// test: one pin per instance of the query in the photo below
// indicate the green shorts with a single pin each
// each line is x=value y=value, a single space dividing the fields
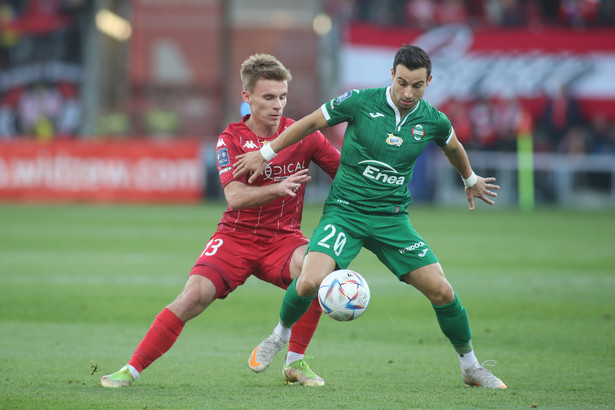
x=341 y=234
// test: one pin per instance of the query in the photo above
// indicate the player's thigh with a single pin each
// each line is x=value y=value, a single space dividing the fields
x=281 y=260
x=316 y=267
x=296 y=261
x=339 y=234
x=397 y=244
x=227 y=261
x=431 y=282
x=197 y=295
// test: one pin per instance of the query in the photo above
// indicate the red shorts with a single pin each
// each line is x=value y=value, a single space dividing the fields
x=229 y=259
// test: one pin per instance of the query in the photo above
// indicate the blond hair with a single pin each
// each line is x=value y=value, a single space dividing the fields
x=265 y=66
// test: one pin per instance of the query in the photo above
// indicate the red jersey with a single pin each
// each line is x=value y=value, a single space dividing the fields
x=283 y=214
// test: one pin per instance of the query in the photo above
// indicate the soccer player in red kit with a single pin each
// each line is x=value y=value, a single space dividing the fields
x=259 y=233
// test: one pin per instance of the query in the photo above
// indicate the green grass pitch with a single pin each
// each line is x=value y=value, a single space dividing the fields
x=80 y=285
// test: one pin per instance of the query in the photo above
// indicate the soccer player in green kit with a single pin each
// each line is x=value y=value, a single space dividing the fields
x=387 y=129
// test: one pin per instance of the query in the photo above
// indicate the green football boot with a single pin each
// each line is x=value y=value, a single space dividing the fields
x=121 y=378
x=299 y=371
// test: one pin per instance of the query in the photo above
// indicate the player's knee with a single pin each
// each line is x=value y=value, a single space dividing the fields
x=307 y=285
x=192 y=298
x=193 y=301
x=442 y=294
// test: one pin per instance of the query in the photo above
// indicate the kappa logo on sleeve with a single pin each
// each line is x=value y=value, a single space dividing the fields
x=223 y=158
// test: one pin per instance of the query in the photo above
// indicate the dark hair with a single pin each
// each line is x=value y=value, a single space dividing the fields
x=413 y=58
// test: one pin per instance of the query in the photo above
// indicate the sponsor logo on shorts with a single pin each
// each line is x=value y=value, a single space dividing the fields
x=382 y=172
x=415 y=246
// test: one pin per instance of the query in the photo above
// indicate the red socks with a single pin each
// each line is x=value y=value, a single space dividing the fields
x=304 y=329
x=159 y=338
x=166 y=328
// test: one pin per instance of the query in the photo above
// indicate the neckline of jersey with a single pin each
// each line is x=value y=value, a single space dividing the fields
x=398 y=120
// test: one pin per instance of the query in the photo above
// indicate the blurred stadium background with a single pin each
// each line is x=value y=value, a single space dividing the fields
x=122 y=101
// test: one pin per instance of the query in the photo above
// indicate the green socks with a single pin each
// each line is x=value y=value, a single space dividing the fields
x=452 y=317
x=454 y=322
x=293 y=305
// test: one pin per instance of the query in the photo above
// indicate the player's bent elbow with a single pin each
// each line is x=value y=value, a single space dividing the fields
x=235 y=205
x=234 y=198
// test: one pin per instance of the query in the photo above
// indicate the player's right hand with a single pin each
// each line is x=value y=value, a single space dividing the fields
x=250 y=161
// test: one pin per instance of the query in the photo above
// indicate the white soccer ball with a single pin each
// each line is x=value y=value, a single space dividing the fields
x=344 y=295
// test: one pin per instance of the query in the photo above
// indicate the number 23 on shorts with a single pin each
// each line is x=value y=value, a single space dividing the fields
x=212 y=247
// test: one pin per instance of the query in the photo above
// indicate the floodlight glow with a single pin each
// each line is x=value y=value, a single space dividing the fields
x=322 y=24
x=113 y=25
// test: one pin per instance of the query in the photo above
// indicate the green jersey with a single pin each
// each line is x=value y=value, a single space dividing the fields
x=380 y=149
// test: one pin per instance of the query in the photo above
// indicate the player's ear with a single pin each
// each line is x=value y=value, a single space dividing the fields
x=428 y=80
x=392 y=73
x=245 y=96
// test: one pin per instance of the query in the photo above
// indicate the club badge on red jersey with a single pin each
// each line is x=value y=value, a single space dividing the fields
x=223 y=157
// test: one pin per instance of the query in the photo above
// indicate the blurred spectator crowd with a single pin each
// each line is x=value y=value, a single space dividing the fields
x=426 y=14
x=494 y=124
x=42 y=69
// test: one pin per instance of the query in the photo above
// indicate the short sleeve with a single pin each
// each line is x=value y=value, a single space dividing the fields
x=342 y=108
x=444 y=130
x=226 y=153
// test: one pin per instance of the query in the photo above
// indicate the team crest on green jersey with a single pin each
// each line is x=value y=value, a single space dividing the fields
x=418 y=132
x=393 y=140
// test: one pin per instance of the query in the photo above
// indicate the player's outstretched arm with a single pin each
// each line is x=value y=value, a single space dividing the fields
x=476 y=186
x=242 y=196
x=256 y=161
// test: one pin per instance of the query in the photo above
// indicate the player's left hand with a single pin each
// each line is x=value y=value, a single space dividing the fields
x=291 y=185
x=250 y=161
x=481 y=190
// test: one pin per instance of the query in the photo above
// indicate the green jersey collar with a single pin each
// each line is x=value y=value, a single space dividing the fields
x=398 y=120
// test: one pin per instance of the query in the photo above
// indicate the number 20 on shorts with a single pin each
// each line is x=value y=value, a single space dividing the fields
x=340 y=239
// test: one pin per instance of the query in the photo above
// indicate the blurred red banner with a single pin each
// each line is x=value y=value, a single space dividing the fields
x=106 y=171
x=492 y=63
